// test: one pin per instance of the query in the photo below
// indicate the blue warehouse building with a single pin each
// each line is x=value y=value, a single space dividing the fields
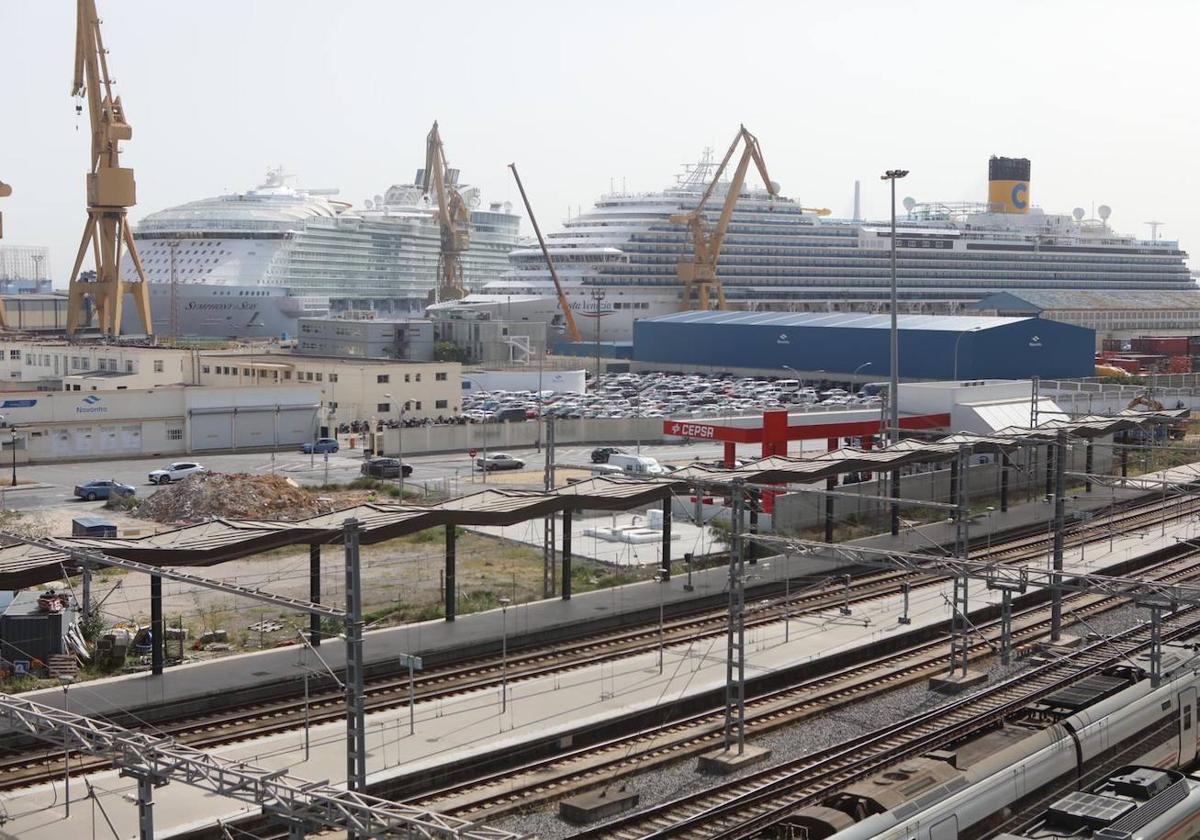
x=844 y=342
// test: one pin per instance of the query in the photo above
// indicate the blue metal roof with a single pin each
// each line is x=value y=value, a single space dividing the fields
x=834 y=320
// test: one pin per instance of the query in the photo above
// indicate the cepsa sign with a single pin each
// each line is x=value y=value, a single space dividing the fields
x=692 y=430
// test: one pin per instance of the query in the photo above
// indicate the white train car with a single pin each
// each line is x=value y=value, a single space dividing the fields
x=1063 y=750
x=1134 y=803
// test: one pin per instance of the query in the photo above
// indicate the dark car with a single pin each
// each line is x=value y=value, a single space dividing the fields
x=102 y=488
x=601 y=454
x=320 y=446
x=385 y=468
x=511 y=415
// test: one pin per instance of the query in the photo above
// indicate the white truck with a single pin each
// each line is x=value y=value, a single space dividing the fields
x=620 y=463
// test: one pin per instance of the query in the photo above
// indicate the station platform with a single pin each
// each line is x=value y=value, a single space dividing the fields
x=473 y=724
x=261 y=675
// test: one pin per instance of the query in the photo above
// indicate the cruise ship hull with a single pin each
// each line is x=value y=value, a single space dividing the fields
x=222 y=312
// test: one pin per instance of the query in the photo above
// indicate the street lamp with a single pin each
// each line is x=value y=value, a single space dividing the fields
x=483 y=431
x=400 y=446
x=856 y=370
x=956 y=341
x=893 y=175
x=66 y=681
x=504 y=602
x=661 y=577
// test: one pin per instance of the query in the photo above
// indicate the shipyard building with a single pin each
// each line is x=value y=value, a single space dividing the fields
x=858 y=345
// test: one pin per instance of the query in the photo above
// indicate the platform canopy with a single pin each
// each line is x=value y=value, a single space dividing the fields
x=220 y=540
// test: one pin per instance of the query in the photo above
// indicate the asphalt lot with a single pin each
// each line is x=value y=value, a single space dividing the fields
x=449 y=472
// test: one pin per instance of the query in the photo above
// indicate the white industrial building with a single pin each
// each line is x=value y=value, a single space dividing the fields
x=71 y=426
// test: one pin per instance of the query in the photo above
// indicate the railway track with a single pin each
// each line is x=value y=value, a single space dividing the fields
x=762 y=798
x=24 y=768
x=537 y=782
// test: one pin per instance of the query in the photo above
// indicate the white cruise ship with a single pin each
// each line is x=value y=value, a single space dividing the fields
x=618 y=260
x=247 y=265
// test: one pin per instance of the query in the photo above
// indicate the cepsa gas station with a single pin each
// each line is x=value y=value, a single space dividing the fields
x=776 y=428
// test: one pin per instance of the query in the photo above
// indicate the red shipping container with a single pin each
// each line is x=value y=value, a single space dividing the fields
x=1166 y=345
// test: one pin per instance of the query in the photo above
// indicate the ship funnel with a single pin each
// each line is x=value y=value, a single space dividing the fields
x=1008 y=185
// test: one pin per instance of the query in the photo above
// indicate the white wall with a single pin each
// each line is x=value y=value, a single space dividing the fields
x=562 y=381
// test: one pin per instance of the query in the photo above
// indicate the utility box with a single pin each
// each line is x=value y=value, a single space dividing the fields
x=92 y=526
x=111 y=187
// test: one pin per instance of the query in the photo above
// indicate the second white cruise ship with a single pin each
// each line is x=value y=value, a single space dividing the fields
x=618 y=261
x=247 y=265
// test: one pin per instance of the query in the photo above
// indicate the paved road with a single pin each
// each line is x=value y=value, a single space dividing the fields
x=449 y=472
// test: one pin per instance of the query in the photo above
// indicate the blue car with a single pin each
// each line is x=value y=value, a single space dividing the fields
x=102 y=489
x=320 y=446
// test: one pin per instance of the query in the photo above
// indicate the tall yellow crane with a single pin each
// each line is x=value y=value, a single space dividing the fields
x=453 y=219
x=568 y=316
x=699 y=274
x=110 y=190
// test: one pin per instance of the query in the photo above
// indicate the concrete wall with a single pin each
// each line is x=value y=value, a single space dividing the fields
x=798 y=510
x=501 y=436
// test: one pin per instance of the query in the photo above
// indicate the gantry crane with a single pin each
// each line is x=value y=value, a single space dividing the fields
x=563 y=304
x=453 y=219
x=110 y=191
x=699 y=274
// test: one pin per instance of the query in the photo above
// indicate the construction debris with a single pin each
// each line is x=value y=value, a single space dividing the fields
x=235 y=495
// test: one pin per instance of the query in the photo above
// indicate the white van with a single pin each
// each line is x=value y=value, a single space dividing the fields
x=634 y=464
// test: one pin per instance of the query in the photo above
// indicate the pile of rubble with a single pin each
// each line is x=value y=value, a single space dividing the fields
x=229 y=495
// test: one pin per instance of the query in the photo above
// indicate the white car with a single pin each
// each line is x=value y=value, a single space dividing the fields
x=499 y=461
x=176 y=472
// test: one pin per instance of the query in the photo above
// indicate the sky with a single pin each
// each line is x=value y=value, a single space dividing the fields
x=1099 y=95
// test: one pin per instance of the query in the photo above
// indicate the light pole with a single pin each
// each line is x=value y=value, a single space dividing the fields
x=893 y=175
x=662 y=577
x=504 y=602
x=598 y=296
x=991 y=525
x=14 y=456
x=482 y=433
x=956 y=341
x=856 y=370
x=400 y=446
x=66 y=683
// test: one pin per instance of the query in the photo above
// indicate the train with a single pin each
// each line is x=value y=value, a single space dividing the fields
x=974 y=789
x=1134 y=803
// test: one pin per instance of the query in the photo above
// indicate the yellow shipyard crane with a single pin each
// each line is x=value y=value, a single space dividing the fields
x=699 y=274
x=110 y=191
x=453 y=219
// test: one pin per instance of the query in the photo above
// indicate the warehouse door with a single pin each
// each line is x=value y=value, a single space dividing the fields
x=254 y=428
x=131 y=438
x=297 y=425
x=83 y=440
x=212 y=430
x=109 y=441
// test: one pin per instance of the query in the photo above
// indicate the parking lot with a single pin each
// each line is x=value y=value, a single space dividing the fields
x=629 y=395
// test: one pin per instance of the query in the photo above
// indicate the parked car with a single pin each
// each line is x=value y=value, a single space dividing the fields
x=102 y=488
x=499 y=461
x=176 y=472
x=320 y=446
x=385 y=468
x=601 y=454
x=511 y=415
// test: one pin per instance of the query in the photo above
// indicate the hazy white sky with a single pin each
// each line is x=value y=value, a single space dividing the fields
x=1100 y=95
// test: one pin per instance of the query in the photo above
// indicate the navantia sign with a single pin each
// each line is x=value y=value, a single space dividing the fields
x=692 y=430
